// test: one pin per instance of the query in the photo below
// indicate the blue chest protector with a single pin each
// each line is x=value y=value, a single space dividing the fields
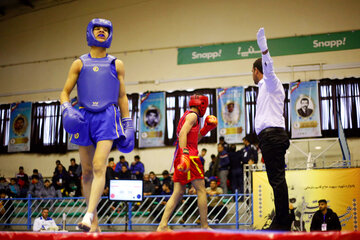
x=98 y=85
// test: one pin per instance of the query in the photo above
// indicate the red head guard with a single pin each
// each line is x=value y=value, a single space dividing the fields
x=201 y=102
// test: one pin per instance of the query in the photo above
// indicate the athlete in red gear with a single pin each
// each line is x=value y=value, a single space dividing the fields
x=188 y=167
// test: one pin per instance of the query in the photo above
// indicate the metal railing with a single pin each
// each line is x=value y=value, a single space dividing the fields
x=230 y=211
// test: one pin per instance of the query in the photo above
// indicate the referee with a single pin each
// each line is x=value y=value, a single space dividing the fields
x=270 y=128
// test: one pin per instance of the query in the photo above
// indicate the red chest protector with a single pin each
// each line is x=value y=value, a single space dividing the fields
x=192 y=137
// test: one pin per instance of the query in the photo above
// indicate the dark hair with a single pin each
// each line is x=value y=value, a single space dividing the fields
x=35 y=177
x=58 y=162
x=258 y=64
x=122 y=157
x=21 y=167
x=213 y=180
x=45 y=208
x=47 y=180
x=111 y=159
x=2 y=178
x=221 y=138
x=35 y=171
x=137 y=157
x=73 y=159
x=204 y=149
x=165 y=172
x=166 y=184
x=151 y=172
x=304 y=99
x=13 y=179
x=322 y=201
x=2 y=191
x=212 y=156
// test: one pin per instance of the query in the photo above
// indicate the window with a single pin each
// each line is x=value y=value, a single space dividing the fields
x=4 y=127
x=48 y=134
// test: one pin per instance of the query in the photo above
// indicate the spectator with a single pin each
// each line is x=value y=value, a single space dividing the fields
x=6 y=208
x=44 y=222
x=14 y=189
x=223 y=167
x=137 y=168
x=149 y=188
x=212 y=166
x=57 y=163
x=36 y=173
x=4 y=185
x=202 y=155
x=110 y=174
x=22 y=181
x=222 y=141
x=121 y=163
x=124 y=173
x=325 y=219
x=49 y=190
x=156 y=183
x=216 y=208
x=166 y=178
x=36 y=187
x=249 y=152
x=236 y=170
x=74 y=178
x=61 y=180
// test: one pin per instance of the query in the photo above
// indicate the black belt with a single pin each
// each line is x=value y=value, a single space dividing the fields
x=270 y=129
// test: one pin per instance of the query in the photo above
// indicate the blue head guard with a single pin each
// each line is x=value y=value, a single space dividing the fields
x=90 y=34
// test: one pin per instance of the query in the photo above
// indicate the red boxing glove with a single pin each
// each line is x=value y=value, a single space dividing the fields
x=184 y=164
x=210 y=123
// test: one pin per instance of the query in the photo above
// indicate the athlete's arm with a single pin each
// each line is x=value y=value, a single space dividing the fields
x=71 y=80
x=123 y=100
x=190 y=121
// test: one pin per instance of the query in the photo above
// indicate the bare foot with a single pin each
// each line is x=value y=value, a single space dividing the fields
x=207 y=228
x=163 y=229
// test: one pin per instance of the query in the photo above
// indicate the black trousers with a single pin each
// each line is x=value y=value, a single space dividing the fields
x=273 y=143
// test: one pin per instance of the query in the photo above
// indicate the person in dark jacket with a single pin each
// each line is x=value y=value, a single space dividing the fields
x=325 y=219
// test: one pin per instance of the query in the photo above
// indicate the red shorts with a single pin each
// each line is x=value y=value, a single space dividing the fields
x=196 y=171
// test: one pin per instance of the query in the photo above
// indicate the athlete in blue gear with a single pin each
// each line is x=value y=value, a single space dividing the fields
x=98 y=123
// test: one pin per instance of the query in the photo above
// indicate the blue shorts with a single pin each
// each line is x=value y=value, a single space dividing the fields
x=104 y=125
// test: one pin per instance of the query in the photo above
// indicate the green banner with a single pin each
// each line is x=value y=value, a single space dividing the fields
x=278 y=47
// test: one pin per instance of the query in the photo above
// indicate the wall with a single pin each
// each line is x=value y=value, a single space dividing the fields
x=37 y=50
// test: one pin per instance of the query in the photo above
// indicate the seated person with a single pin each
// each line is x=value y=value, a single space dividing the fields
x=325 y=219
x=13 y=188
x=149 y=187
x=6 y=208
x=36 y=173
x=166 y=190
x=124 y=173
x=49 y=190
x=216 y=208
x=61 y=180
x=44 y=222
x=36 y=187
x=156 y=183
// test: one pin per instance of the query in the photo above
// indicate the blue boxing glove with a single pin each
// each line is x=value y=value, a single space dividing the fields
x=126 y=145
x=73 y=120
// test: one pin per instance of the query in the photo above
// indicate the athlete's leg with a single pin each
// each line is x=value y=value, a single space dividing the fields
x=98 y=182
x=178 y=193
x=86 y=157
x=199 y=185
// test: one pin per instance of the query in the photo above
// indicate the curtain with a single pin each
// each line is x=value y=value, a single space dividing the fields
x=47 y=132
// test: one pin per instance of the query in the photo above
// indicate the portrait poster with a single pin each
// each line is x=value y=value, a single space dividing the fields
x=70 y=145
x=339 y=187
x=152 y=119
x=20 y=127
x=230 y=111
x=304 y=110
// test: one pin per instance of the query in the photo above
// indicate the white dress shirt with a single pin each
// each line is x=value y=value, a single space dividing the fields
x=270 y=100
x=43 y=224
